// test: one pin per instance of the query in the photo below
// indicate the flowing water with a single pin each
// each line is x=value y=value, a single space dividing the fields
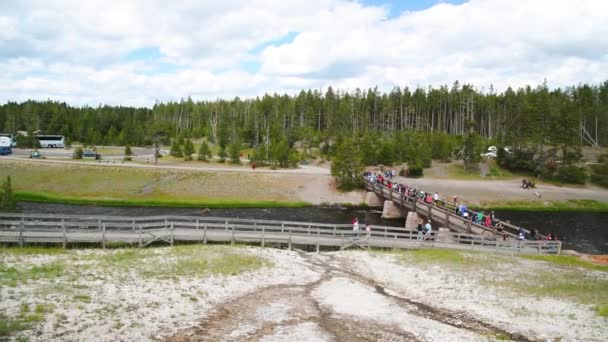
x=581 y=231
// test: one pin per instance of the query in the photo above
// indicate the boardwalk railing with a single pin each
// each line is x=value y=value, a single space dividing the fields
x=443 y=213
x=66 y=229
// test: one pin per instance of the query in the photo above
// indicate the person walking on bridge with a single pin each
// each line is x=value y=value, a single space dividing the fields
x=356 y=226
x=420 y=231
x=429 y=230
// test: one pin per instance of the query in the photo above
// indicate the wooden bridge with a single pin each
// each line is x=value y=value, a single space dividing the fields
x=143 y=231
x=443 y=214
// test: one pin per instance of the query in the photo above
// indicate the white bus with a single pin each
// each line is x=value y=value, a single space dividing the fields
x=51 y=140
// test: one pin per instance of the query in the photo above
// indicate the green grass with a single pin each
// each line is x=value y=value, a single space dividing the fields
x=570 y=284
x=126 y=186
x=13 y=276
x=10 y=326
x=542 y=205
x=602 y=310
x=449 y=258
x=457 y=171
x=26 y=318
x=31 y=250
x=568 y=261
x=181 y=261
x=42 y=197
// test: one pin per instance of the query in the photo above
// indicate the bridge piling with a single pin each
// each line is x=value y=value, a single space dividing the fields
x=103 y=236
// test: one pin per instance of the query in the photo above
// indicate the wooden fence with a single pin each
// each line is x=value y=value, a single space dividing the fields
x=69 y=229
x=444 y=213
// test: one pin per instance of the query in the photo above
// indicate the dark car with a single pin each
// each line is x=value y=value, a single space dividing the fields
x=5 y=151
x=91 y=154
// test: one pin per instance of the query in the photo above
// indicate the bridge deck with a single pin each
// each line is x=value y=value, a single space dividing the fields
x=442 y=214
x=66 y=229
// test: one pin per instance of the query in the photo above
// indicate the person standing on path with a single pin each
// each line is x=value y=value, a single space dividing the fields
x=429 y=230
x=420 y=232
x=368 y=229
x=356 y=226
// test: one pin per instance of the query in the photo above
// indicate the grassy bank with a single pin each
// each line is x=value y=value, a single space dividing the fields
x=541 y=205
x=125 y=186
x=42 y=197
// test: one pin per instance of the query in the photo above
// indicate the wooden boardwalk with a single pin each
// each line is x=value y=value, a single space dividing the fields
x=442 y=215
x=142 y=231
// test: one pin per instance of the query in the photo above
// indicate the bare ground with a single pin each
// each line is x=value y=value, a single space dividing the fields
x=333 y=296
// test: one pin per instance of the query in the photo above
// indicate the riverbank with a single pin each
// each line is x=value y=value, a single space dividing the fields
x=22 y=196
x=198 y=186
x=249 y=293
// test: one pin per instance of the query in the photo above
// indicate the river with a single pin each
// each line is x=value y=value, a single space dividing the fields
x=580 y=231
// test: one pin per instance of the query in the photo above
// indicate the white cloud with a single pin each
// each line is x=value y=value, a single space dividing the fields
x=75 y=50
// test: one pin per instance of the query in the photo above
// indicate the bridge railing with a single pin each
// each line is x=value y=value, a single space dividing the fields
x=25 y=228
x=447 y=215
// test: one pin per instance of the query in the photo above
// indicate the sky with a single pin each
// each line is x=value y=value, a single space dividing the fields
x=142 y=51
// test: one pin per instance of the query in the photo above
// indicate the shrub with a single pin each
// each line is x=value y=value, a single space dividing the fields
x=415 y=169
x=572 y=174
x=599 y=172
x=78 y=153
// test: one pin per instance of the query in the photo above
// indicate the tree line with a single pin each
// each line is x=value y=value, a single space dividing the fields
x=413 y=125
x=515 y=116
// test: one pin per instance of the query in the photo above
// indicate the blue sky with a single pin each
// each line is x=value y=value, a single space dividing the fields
x=138 y=52
x=395 y=8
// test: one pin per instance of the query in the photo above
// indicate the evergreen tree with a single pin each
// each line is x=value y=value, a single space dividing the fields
x=188 y=150
x=280 y=153
x=204 y=153
x=471 y=151
x=176 y=149
x=222 y=154
x=346 y=165
x=7 y=199
x=260 y=155
x=128 y=153
x=235 y=152
x=386 y=156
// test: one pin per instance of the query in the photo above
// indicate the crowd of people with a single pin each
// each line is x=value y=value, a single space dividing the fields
x=481 y=218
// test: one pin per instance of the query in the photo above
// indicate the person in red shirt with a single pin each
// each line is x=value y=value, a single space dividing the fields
x=488 y=221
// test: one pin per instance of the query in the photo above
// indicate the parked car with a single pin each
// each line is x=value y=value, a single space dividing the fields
x=91 y=154
x=5 y=150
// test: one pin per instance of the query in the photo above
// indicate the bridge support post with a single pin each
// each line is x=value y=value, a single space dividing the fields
x=21 y=233
x=205 y=234
x=373 y=200
x=392 y=210
x=263 y=235
x=318 y=238
x=289 y=243
x=171 y=234
x=65 y=236
x=103 y=236
x=141 y=241
x=232 y=236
